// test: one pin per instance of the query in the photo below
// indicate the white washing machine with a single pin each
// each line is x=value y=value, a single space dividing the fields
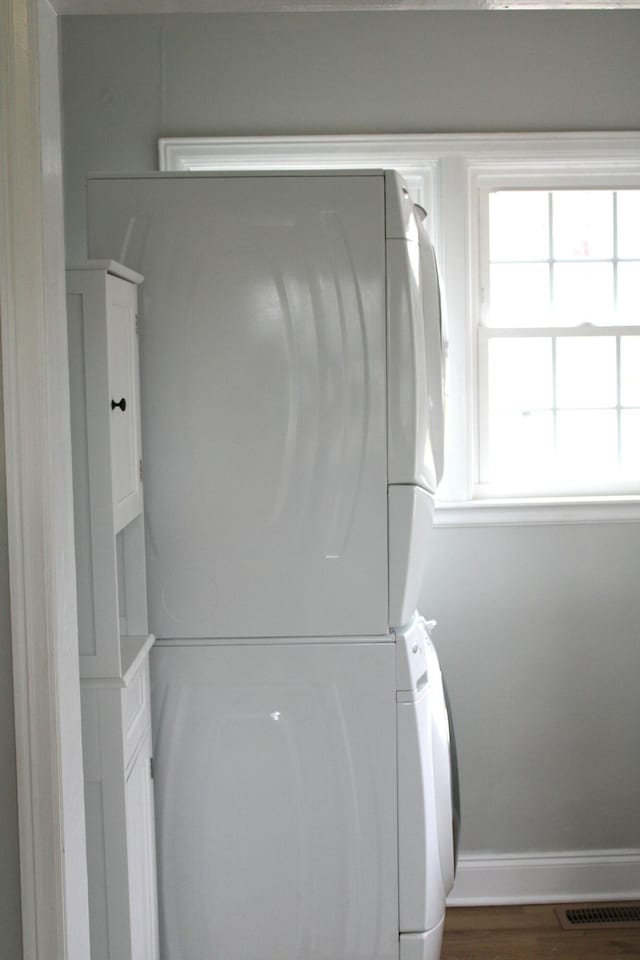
x=304 y=798
x=428 y=794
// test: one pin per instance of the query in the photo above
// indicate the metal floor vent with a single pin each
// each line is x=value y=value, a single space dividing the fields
x=622 y=915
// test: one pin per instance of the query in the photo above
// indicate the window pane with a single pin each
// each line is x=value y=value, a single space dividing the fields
x=520 y=373
x=563 y=408
x=582 y=293
x=629 y=293
x=630 y=371
x=519 y=225
x=587 y=444
x=582 y=224
x=630 y=428
x=629 y=223
x=586 y=372
x=520 y=446
x=519 y=295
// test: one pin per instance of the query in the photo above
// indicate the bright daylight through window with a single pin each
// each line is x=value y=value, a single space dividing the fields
x=559 y=343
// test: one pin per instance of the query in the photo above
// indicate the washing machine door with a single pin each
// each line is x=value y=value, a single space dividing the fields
x=445 y=767
x=455 y=780
x=425 y=788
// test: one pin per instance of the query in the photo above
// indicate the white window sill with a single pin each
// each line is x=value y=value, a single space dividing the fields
x=487 y=513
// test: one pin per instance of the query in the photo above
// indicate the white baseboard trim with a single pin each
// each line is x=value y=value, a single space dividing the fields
x=545 y=878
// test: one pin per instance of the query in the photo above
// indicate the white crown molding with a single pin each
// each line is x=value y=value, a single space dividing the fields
x=402 y=150
x=327 y=6
x=295 y=152
x=547 y=878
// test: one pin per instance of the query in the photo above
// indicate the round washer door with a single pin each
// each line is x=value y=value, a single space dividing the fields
x=445 y=780
x=425 y=788
x=421 y=875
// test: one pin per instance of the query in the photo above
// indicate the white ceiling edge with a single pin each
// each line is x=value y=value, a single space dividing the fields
x=318 y=6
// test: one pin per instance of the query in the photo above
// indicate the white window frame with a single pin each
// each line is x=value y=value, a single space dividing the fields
x=539 y=176
x=447 y=174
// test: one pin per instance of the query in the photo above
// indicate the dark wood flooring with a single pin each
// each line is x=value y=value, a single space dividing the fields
x=529 y=933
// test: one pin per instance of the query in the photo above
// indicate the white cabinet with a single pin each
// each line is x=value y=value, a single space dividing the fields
x=114 y=640
x=116 y=730
x=124 y=390
x=141 y=852
x=107 y=466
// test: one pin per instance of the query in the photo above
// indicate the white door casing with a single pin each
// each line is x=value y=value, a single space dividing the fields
x=39 y=506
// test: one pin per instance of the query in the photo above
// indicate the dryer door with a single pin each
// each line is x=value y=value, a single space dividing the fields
x=435 y=342
x=414 y=354
x=410 y=528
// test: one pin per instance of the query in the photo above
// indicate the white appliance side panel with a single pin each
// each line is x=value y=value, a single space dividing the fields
x=276 y=801
x=441 y=749
x=422 y=946
x=410 y=527
x=422 y=896
x=401 y=221
x=425 y=827
x=263 y=395
x=436 y=345
x=411 y=456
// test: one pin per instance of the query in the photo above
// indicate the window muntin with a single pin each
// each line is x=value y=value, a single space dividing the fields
x=559 y=343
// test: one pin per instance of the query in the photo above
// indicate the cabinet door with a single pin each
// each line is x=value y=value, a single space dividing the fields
x=141 y=856
x=124 y=403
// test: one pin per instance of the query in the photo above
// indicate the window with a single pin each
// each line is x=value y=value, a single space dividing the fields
x=559 y=342
x=537 y=239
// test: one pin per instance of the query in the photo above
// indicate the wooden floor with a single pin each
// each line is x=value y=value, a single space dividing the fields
x=529 y=933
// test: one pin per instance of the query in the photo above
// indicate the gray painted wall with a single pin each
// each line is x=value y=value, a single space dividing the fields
x=539 y=626
x=10 y=923
x=538 y=634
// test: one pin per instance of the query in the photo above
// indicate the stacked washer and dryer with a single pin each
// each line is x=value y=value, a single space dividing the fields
x=292 y=404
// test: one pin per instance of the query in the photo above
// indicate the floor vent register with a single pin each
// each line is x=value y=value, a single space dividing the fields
x=622 y=915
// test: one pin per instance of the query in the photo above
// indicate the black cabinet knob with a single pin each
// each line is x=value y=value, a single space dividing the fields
x=121 y=403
